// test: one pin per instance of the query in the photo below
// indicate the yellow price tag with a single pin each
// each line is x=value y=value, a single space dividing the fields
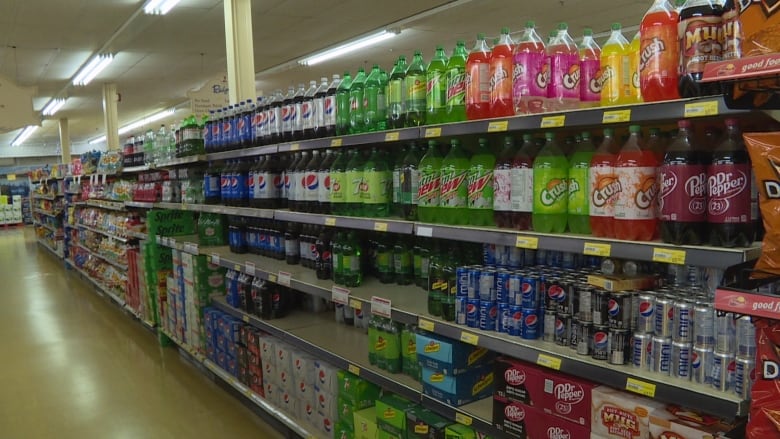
x=355 y=303
x=549 y=361
x=498 y=126
x=245 y=318
x=272 y=278
x=701 y=109
x=669 y=256
x=329 y=221
x=336 y=142
x=424 y=324
x=467 y=337
x=553 y=121
x=237 y=267
x=295 y=147
x=391 y=137
x=380 y=227
x=460 y=418
x=640 y=387
x=597 y=249
x=353 y=369
x=432 y=132
x=616 y=116
x=530 y=242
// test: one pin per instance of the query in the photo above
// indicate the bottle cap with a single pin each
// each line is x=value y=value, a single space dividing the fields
x=731 y=122
x=527 y=137
x=549 y=135
x=530 y=24
x=633 y=129
x=609 y=132
x=684 y=123
x=616 y=26
x=655 y=131
x=588 y=32
x=455 y=142
x=563 y=26
x=504 y=31
x=480 y=36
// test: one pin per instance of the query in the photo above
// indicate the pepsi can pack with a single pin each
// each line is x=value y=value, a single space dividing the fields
x=600 y=305
x=600 y=343
x=503 y=319
x=562 y=329
x=582 y=332
x=682 y=322
x=641 y=350
x=618 y=346
x=661 y=355
x=515 y=321
x=619 y=311
x=645 y=313
x=502 y=285
x=530 y=325
x=548 y=325
x=531 y=290
x=681 y=360
x=474 y=275
x=488 y=313
x=701 y=364
x=462 y=281
x=472 y=313
x=664 y=313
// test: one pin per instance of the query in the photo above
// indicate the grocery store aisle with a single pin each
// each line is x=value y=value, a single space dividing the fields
x=74 y=366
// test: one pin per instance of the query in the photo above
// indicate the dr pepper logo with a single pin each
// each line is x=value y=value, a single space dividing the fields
x=514 y=413
x=514 y=377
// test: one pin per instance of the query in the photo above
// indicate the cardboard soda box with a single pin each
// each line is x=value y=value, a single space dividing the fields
x=326 y=377
x=456 y=390
x=460 y=431
x=391 y=415
x=518 y=381
x=343 y=430
x=511 y=417
x=365 y=423
x=360 y=392
x=449 y=356
x=617 y=414
x=424 y=424
x=567 y=397
x=325 y=402
x=547 y=426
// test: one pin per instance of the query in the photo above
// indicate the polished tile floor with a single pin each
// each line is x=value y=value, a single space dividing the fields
x=75 y=366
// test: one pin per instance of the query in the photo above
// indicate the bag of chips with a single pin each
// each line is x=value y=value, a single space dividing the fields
x=764 y=420
x=764 y=150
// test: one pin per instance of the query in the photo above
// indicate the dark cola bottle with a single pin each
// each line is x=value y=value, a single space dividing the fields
x=701 y=33
x=324 y=255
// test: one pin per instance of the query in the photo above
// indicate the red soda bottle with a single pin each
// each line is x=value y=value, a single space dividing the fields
x=522 y=195
x=501 y=77
x=659 y=57
x=604 y=187
x=635 y=168
x=478 y=80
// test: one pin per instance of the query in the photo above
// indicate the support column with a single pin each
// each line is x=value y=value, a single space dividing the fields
x=65 y=140
x=110 y=99
x=240 y=50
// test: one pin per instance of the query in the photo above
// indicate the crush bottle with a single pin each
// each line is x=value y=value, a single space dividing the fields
x=563 y=91
x=501 y=66
x=502 y=185
x=603 y=187
x=551 y=173
x=478 y=80
x=530 y=72
x=578 y=205
x=659 y=59
x=590 y=70
x=615 y=63
x=635 y=168
x=522 y=195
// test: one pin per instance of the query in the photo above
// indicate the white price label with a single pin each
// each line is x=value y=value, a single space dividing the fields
x=381 y=307
x=426 y=232
x=215 y=259
x=249 y=268
x=339 y=295
x=284 y=278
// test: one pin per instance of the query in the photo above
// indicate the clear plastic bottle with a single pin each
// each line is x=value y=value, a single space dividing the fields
x=531 y=74
x=615 y=63
x=590 y=71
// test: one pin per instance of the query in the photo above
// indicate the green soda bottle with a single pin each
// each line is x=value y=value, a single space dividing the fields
x=415 y=81
x=384 y=260
x=437 y=283
x=450 y=290
x=579 y=171
x=342 y=105
x=421 y=260
x=408 y=350
x=551 y=196
x=398 y=170
x=453 y=201
x=456 y=84
x=396 y=95
x=393 y=348
x=373 y=334
x=436 y=91
x=337 y=257
x=429 y=190
x=380 y=347
x=377 y=183
x=480 y=186
x=410 y=183
x=338 y=183
x=402 y=261
x=354 y=174
x=357 y=109
x=376 y=105
x=353 y=275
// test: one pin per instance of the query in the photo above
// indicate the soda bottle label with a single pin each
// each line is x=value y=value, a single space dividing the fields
x=298 y=116
x=530 y=76
x=502 y=190
x=373 y=190
x=732 y=34
x=657 y=54
x=338 y=187
x=275 y=185
x=480 y=188
x=383 y=263
x=396 y=186
x=311 y=186
x=395 y=96
x=402 y=262
x=564 y=76
x=478 y=83
x=454 y=188
x=500 y=79
x=323 y=191
x=415 y=93
x=522 y=195
x=436 y=90
x=429 y=190
x=604 y=190
x=728 y=190
x=590 y=80
x=287 y=118
x=636 y=200
x=550 y=189
x=307 y=115
x=456 y=88
x=683 y=193
x=410 y=186
x=578 y=191
x=700 y=42
x=329 y=110
x=354 y=184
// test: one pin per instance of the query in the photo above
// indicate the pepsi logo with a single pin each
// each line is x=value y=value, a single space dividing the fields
x=326 y=182
x=234 y=182
x=560 y=327
x=326 y=424
x=518 y=315
x=531 y=321
x=695 y=360
x=306 y=110
x=278 y=181
x=600 y=339
x=322 y=376
x=527 y=288
x=286 y=398
x=302 y=386
x=493 y=312
x=287 y=181
x=646 y=309
x=649 y=349
x=732 y=366
x=251 y=180
x=322 y=400
x=309 y=409
x=557 y=293
x=514 y=413
x=276 y=297
x=613 y=307
x=286 y=113
x=471 y=309
x=670 y=314
x=310 y=181
x=514 y=377
x=261 y=181
x=241 y=124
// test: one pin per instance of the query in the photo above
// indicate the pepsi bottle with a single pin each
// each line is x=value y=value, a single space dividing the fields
x=323 y=264
x=288 y=115
x=212 y=184
x=308 y=111
x=323 y=192
x=297 y=116
x=258 y=122
x=319 y=109
x=330 y=107
x=274 y=115
x=246 y=132
x=310 y=184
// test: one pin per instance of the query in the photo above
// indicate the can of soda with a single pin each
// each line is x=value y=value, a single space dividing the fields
x=472 y=313
x=661 y=358
x=681 y=360
x=541 y=257
x=502 y=319
x=474 y=275
x=583 y=306
x=641 y=350
x=600 y=342
x=701 y=364
x=664 y=311
x=676 y=275
x=600 y=305
x=515 y=289
x=619 y=346
x=682 y=320
x=744 y=376
x=515 y=257
x=725 y=333
x=704 y=325
x=569 y=260
x=502 y=286
x=487 y=285
x=693 y=275
x=529 y=257
x=583 y=334
x=723 y=367
x=516 y=321
x=531 y=290
x=566 y=301
x=645 y=316
x=619 y=310
x=555 y=294
x=530 y=324
x=460 y=310
x=746 y=337
x=462 y=281
x=549 y=325
x=562 y=329
x=489 y=254
x=488 y=313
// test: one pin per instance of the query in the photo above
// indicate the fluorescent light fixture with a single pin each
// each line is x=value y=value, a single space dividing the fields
x=348 y=47
x=26 y=132
x=159 y=7
x=92 y=69
x=138 y=124
x=53 y=106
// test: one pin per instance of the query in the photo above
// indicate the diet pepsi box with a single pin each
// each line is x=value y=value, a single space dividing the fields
x=600 y=305
x=556 y=294
x=600 y=343
x=531 y=290
x=530 y=324
x=472 y=313
x=582 y=303
x=488 y=313
x=503 y=320
x=619 y=311
x=515 y=321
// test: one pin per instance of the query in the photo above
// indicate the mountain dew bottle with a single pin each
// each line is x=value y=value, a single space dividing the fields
x=453 y=200
x=480 y=181
x=551 y=195
x=579 y=171
x=429 y=189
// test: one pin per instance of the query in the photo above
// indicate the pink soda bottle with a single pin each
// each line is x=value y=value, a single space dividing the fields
x=531 y=73
x=563 y=92
x=590 y=71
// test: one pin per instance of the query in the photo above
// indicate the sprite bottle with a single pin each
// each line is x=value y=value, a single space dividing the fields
x=480 y=186
x=396 y=95
x=355 y=181
x=429 y=190
x=338 y=183
x=357 y=110
x=453 y=201
x=436 y=91
x=342 y=105
x=456 y=84
x=415 y=81
x=551 y=196
x=375 y=188
x=579 y=171
x=376 y=106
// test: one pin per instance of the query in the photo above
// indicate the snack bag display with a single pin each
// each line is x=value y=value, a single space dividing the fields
x=764 y=150
x=764 y=418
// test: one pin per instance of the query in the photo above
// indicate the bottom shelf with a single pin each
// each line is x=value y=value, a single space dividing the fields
x=103 y=289
x=47 y=246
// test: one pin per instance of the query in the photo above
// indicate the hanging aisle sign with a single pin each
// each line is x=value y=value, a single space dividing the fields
x=212 y=96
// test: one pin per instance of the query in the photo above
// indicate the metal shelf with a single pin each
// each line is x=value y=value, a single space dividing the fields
x=377 y=224
x=139 y=204
x=180 y=161
x=45 y=226
x=106 y=204
x=47 y=212
x=102 y=257
x=242 y=153
x=218 y=208
x=50 y=248
x=137 y=235
x=102 y=232
x=46 y=197
x=102 y=288
x=346 y=348
x=353 y=140
x=133 y=169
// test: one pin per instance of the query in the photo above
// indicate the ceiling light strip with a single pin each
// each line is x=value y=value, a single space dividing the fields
x=138 y=124
x=347 y=48
x=92 y=69
x=24 y=135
